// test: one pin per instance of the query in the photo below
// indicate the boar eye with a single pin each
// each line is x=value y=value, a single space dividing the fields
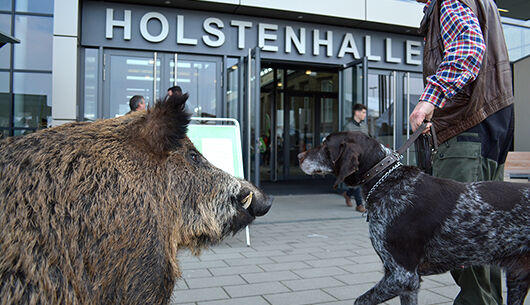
x=194 y=156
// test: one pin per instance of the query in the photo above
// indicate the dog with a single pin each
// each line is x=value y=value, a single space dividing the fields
x=423 y=225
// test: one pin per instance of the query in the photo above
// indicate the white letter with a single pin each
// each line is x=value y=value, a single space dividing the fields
x=143 y=27
x=125 y=24
x=409 y=45
x=348 y=46
x=241 y=25
x=299 y=42
x=206 y=25
x=180 y=32
x=262 y=36
x=388 y=53
x=317 y=42
x=368 y=49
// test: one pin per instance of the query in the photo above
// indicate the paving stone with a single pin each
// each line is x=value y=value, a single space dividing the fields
x=332 y=254
x=328 y=262
x=195 y=273
x=361 y=268
x=203 y=265
x=235 y=270
x=269 y=276
x=255 y=289
x=314 y=283
x=221 y=256
x=348 y=292
x=196 y=295
x=360 y=278
x=319 y=272
x=248 y=261
x=215 y=281
x=299 y=298
x=366 y=259
x=263 y=253
x=238 y=301
x=292 y=258
x=284 y=266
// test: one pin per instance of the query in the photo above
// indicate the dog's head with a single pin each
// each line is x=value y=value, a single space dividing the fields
x=342 y=154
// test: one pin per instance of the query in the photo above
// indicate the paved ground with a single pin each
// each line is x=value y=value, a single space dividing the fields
x=309 y=249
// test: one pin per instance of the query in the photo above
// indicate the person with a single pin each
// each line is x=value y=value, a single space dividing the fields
x=469 y=100
x=174 y=90
x=356 y=124
x=137 y=103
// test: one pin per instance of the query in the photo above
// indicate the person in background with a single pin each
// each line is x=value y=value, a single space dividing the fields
x=468 y=97
x=137 y=103
x=174 y=90
x=356 y=124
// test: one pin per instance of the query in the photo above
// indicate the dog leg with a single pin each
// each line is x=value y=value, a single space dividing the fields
x=409 y=298
x=517 y=279
x=394 y=283
x=517 y=290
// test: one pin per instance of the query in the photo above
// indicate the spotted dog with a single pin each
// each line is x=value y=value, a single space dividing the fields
x=422 y=225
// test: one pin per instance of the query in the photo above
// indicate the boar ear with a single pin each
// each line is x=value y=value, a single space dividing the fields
x=347 y=161
x=166 y=124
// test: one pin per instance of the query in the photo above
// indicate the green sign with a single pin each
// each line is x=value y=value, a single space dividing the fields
x=220 y=145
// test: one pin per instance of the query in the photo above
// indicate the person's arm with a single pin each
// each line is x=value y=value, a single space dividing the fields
x=464 y=49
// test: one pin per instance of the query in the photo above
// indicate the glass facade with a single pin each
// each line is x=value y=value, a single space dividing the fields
x=25 y=68
x=517 y=35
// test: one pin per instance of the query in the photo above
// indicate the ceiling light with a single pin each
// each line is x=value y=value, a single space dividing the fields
x=308 y=72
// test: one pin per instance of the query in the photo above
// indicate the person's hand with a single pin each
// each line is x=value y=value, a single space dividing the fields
x=422 y=111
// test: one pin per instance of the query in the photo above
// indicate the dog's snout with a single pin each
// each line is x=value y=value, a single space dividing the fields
x=301 y=156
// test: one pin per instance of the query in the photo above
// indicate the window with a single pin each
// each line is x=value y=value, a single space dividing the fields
x=34 y=6
x=91 y=85
x=32 y=101
x=5 y=51
x=35 y=48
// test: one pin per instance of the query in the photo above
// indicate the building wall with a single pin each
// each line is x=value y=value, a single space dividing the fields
x=522 y=103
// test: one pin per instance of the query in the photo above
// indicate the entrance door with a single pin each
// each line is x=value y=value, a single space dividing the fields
x=253 y=141
x=353 y=88
x=127 y=74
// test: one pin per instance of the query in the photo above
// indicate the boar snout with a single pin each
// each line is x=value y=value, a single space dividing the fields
x=253 y=199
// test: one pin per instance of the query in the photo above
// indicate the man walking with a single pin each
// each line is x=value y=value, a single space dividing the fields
x=468 y=95
x=356 y=124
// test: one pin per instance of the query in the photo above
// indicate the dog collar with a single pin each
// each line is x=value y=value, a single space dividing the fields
x=383 y=178
x=381 y=166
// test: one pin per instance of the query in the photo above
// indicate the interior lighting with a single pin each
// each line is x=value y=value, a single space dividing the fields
x=308 y=72
x=280 y=84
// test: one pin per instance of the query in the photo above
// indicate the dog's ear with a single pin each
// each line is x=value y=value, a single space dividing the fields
x=166 y=124
x=345 y=161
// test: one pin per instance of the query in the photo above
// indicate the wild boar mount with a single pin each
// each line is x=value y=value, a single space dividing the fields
x=95 y=213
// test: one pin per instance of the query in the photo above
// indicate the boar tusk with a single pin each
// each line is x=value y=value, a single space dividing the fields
x=247 y=201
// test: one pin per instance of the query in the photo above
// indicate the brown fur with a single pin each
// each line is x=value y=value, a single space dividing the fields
x=95 y=213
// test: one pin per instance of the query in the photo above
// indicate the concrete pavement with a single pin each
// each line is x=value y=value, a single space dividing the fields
x=309 y=249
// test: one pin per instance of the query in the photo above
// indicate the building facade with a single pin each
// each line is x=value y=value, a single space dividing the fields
x=289 y=71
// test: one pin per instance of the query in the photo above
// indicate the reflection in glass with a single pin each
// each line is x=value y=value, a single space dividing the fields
x=5 y=51
x=380 y=118
x=32 y=101
x=35 y=48
x=301 y=130
x=199 y=79
x=34 y=6
x=91 y=84
x=5 y=5
x=232 y=88
x=352 y=90
x=415 y=86
x=5 y=104
x=130 y=76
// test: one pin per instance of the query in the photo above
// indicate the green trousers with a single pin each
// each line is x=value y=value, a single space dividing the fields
x=460 y=159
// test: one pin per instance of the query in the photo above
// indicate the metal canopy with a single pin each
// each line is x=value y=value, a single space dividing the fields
x=4 y=38
x=518 y=9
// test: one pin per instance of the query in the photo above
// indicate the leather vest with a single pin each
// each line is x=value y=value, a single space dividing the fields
x=490 y=92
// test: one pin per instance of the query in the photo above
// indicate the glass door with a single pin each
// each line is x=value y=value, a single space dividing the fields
x=127 y=74
x=354 y=87
x=381 y=114
x=412 y=90
x=200 y=76
x=252 y=116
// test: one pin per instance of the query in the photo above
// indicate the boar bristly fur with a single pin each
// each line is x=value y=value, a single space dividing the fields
x=95 y=213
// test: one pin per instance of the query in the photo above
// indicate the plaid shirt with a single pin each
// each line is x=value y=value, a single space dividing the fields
x=464 y=49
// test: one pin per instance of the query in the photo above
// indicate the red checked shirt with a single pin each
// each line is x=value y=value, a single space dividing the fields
x=464 y=49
